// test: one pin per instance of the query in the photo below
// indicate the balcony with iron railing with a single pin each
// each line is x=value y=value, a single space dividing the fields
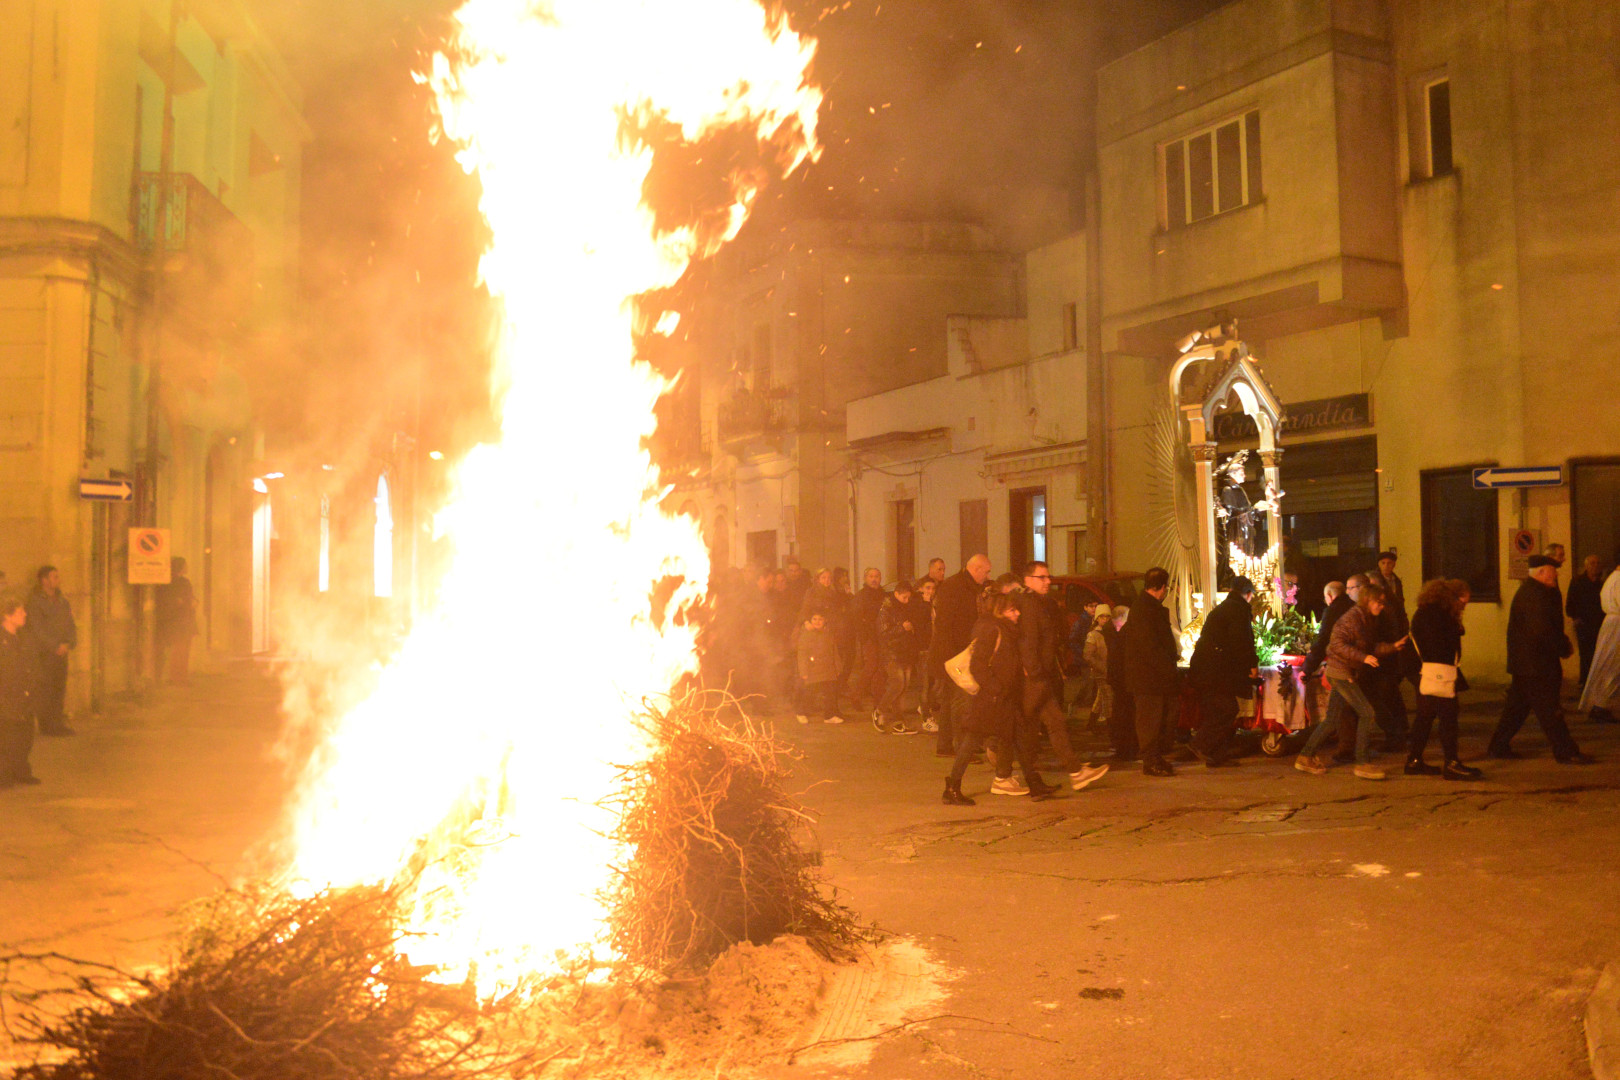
x=207 y=259
x=749 y=416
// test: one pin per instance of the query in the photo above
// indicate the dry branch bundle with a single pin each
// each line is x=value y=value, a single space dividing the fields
x=265 y=987
x=719 y=853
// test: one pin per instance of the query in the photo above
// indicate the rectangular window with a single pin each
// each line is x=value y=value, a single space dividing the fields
x=973 y=520
x=905 y=539
x=1026 y=522
x=762 y=549
x=1212 y=171
x=1595 y=510
x=1071 y=327
x=1460 y=534
x=1175 y=185
x=1438 y=108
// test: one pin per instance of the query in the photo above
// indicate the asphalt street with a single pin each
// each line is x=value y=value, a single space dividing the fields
x=1251 y=922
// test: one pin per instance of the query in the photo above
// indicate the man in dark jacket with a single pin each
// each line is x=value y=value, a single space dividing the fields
x=956 y=609
x=1585 y=609
x=1339 y=601
x=1122 y=716
x=1383 y=686
x=54 y=634
x=1223 y=669
x=1535 y=646
x=897 y=634
x=869 y=672
x=1040 y=637
x=17 y=682
x=1150 y=673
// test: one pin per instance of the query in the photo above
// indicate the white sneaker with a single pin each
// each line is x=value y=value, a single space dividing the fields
x=1009 y=785
x=877 y=722
x=1086 y=774
x=900 y=727
x=930 y=725
x=833 y=720
x=803 y=719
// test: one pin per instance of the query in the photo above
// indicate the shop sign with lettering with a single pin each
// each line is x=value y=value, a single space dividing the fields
x=1302 y=418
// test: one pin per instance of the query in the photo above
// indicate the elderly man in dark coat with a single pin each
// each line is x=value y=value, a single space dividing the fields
x=54 y=634
x=1536 y=645
x=17 y=683
x=1223 y=670
x=1150 y=673
x=956 y=609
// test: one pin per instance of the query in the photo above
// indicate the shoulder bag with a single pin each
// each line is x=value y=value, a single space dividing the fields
x=1435 y=680
x=959 y=667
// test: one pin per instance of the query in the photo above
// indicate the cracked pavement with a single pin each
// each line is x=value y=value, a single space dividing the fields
x=1253 y=922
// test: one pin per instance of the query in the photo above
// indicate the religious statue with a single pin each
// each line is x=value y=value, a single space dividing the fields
x=1243 y=521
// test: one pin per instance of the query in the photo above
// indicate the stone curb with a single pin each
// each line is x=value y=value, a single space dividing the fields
x=1603 y=1025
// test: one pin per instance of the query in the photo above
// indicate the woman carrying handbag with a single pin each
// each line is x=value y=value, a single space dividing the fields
x=1437 y=632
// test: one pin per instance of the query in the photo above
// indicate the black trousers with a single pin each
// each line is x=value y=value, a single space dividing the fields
x=1539 y=696
x=1122 y=724
x=1430 y=710
x=1586 y=635
x=894 y=691
x=16 y=743
x=1213 y=739
x=818 y=698
x=48 y=702
x=1156 y=724
x=1389 y=706
x=952 y=715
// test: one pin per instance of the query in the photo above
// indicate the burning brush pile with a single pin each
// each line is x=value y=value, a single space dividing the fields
x=720 y=930
x=501 y=866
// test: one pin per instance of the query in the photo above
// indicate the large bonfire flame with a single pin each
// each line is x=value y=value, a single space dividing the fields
x=492 y=739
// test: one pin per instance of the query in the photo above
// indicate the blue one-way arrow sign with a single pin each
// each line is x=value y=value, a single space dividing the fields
x=106 y=490
x=1519 y=476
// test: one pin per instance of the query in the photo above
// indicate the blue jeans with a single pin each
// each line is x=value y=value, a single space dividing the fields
x=1345 y=694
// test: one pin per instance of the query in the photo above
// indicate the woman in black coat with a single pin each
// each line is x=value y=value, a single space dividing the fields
x=992 y=714
x=1437 y=632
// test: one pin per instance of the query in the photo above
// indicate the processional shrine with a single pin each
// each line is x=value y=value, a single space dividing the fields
x=1241 y=378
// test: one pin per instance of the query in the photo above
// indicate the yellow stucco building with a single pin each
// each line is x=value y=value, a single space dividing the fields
x=1410 y=210
x=105 y=106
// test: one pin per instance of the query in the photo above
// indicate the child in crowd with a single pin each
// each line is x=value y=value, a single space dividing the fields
x=819 y=669
x=1095 y=657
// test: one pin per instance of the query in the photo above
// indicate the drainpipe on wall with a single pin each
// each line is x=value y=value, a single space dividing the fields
x=1097 y=558
x=854 y=469
x=145 y=643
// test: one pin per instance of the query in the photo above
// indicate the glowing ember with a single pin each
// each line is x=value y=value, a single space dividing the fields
x=490 y=741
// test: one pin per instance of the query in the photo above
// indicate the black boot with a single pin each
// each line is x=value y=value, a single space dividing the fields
x=1456 y=770
x=1418 y=767
x=1040 y=790
x=953 y=795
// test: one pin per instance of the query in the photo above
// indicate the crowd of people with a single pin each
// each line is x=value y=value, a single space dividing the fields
x=987 y=666
x=37 y=637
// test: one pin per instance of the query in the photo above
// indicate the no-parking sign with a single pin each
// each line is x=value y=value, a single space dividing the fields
x=1522 y=543
x=149 y=556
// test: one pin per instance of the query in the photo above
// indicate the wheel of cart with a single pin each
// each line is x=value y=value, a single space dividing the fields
x=1279 y=706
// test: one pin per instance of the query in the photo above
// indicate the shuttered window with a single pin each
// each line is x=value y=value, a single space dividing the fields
x=1211 y=171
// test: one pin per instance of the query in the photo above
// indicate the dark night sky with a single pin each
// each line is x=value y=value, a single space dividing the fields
x=934 y=108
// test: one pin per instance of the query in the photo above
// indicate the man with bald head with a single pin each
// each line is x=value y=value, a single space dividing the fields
x=956 y=607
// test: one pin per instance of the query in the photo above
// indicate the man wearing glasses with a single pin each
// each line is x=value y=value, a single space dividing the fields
x=1040 y=638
